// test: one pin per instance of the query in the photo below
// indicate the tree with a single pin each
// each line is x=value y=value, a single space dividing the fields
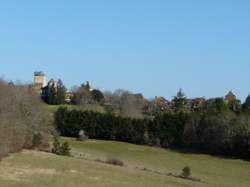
x=234 y=105
x=98 y=96
x=83 y=96
x=23 y=120
x=65 y=149
x=179 y=100
x=60 y=92
x=125 y=103
x=86 y=86
x=220 y=104
x=52 y=94
x=246 y=105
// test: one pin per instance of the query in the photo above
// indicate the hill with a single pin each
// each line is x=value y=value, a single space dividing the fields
x=144 y=166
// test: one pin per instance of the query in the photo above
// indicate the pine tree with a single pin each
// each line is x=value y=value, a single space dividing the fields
x=52 y=95
x=179 y=100
x=60 y=92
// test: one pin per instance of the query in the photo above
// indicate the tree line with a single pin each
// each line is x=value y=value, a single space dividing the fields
x=215 y=132
x=127 y=104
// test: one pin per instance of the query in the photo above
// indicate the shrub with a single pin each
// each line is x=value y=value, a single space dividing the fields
x=186 y=172
x=65 y=149
x=114 y=161
x=56 y=146
x=60 y=149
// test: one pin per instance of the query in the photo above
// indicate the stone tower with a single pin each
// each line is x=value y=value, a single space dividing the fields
x=40 y=79
x=39 y=82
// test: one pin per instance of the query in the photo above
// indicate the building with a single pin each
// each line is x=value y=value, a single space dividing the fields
x=43 y=88
x=40 y=81
x=230 y=96
x=46 y=89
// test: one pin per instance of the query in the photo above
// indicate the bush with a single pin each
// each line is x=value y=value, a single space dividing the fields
x=186 y=172
x=65 y=149
x=114 y=161
x=56 y=146
x=60 y=149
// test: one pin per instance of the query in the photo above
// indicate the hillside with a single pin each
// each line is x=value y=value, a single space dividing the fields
x=32 y=168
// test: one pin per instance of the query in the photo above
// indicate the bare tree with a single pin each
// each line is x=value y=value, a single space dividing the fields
x=22 y=116
x=125 y=103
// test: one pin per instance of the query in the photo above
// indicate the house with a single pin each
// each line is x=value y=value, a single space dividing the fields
x=230 y=96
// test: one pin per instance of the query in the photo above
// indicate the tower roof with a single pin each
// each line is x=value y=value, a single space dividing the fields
x=230 y=96
x=39 y=73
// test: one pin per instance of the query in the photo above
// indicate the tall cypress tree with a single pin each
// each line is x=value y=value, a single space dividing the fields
x=52 y=95
x=60 y=92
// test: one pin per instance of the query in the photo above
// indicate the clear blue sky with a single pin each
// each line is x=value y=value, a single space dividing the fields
x=148 y=46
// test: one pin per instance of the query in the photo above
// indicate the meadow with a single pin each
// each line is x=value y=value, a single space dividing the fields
x=34 y=168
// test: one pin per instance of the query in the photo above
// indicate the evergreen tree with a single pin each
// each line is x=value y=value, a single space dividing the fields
x=52 y=94
x=86 y=86
x=60 y=92
x=246 y=105
x=179 y=100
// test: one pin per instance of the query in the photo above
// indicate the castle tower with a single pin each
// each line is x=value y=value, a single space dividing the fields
x=40 y=79
x=39 y=82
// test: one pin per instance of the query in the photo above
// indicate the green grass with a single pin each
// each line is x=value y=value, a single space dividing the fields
x=53 y=108
x=213 y=170
x=36 y=169
x=31 y=168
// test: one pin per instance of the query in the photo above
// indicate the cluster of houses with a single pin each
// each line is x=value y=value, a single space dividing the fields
x=190 y=104
x=41 y=85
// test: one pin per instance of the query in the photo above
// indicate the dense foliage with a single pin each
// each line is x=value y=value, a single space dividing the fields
x=54 y=93
x=226 y=132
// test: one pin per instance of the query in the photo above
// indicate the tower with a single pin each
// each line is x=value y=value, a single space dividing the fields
x=40 y=79
x=39 y=82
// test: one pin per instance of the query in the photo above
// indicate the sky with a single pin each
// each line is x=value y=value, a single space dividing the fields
x=153 y=47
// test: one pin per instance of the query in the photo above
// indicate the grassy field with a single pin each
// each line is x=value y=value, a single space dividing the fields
x=31 y=168
x=53 y=108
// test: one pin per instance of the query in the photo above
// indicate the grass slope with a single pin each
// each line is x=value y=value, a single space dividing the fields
x=214 y=171
x=31 y=168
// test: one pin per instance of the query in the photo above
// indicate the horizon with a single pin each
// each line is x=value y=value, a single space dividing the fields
x=103 y=90
x=144 y=47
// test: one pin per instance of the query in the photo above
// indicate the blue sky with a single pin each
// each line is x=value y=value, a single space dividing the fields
x=148 y=46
